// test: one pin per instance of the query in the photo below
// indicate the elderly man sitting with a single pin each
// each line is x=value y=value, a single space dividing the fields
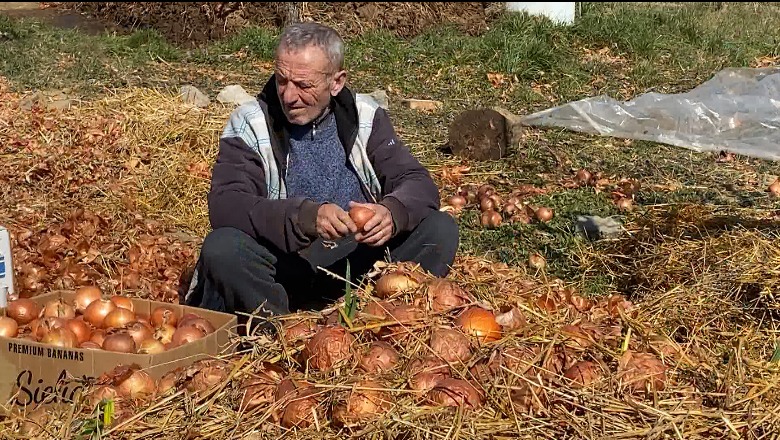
x=290 y=166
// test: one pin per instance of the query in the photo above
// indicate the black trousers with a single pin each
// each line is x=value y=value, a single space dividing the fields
x=235 y=273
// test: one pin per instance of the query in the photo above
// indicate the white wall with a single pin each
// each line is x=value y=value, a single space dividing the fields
x=560 y=12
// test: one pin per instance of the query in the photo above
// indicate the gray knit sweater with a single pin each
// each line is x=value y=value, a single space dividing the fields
x=318 y=168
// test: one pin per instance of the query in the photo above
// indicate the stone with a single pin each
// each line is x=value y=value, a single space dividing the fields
x=380 y=96
x=191 y=95
x=234 y=94
x=595 y=227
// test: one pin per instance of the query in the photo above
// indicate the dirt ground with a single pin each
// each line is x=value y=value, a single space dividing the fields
x=194 y=23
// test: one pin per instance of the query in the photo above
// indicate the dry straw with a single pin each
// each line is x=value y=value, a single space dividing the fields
x=702 y=283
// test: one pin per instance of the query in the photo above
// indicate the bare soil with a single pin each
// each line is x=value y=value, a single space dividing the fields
x=195 y=23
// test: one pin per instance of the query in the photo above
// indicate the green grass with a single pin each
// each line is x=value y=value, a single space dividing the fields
x=645 y=46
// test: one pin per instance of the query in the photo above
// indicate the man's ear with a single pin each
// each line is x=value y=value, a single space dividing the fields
x=338 y=82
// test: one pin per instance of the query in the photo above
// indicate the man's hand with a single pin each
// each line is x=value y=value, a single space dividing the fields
x=378 y=229
x=333 y=222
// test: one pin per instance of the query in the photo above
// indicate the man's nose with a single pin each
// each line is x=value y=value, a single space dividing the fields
x=290 y=95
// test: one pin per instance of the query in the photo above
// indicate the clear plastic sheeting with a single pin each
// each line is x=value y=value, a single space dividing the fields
x=738 y=110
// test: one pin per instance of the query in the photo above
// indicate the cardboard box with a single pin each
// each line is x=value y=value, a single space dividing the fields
x=33 y=374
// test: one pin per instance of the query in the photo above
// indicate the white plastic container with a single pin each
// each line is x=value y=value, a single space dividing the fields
x=559 y=12
x=6 y=268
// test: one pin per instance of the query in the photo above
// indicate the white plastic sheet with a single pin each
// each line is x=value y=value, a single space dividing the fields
x=738 y=110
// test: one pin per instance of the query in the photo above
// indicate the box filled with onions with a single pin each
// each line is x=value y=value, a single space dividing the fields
x=50 y=345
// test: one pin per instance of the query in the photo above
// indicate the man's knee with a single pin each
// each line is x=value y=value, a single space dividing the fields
x=230 y=248
x=440 y=227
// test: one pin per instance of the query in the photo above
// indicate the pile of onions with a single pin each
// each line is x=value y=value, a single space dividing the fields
x=92 y=320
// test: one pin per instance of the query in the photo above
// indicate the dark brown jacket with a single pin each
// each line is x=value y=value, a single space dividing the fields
x=239 y=196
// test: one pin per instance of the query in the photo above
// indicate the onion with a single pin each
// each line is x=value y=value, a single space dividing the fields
x=300 y=410
x=57 y=308
x=624 y=204
x=641 y=371
x=80 y=329
x=299 y=330
x=485 y=190
x=201 y=324
x=361 y=215
x=139 y=331
x=583 y=374
x=60 y=337
x=536 y=261
x=481 y=323
x=85 y=295
x=41 y=327
x=9 y=328
x=89 y=345
x=445 y=294
x=120 y=343
x=576 y=337
x=23 y=310
x=207 y=378
x=618 y=304
x=98 y=337
x=185 y=318
x=490 y=219
x=425 y=373
x=547 y=302
x=123 y=302
x=469 y=192
x=118 y=318
x=138 y=385
x=380 y=357
x=407 y=316
x=377 y=310
x=455 y=392
x=163 y=315
x=512 y=319
x=185 y=335
x=151 y=346
x=774 y=187
x=487 y=204
x=365 y=401
x=544 y=214
x=169 y=381
x=583 y=177
x=329 y=348
x=450 y=345
x=394 y=283
x=164 y=333
x=100 y=393
x=96 y=312
x=529 y=397
x=457 y=201
x=144 y=319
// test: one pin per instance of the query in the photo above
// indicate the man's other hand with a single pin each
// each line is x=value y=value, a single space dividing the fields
x=333 y=222
x=379 y=228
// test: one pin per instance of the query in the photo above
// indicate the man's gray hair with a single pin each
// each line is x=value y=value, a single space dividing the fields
x=307 y=34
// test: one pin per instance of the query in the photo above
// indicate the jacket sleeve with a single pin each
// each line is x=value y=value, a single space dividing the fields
x=238 y=195
x=410 y=193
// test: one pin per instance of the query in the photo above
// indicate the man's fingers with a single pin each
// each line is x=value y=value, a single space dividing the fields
x=347 y=221
x=330 y=232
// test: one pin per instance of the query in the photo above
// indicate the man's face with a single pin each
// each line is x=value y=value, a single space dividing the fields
x=305 y=83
